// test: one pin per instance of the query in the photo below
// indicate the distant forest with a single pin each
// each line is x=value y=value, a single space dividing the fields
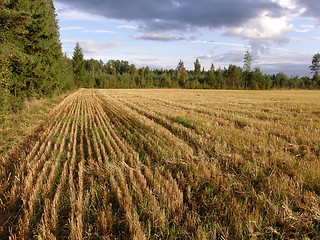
x=32 y=64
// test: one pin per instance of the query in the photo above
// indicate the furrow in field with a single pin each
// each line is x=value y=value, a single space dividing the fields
x=47 y=228
x=140 y=130
x=150 y=219
x=262 y=121
x=237 y=107
x=129 y=164
x=119 y=143
x=120 y=189
x=114 y=145
x=66 y=134
x=264 y=133
x=30 y=180
x=188 y=135
x=39 y=145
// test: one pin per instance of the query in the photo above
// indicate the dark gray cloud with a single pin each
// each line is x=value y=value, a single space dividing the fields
x=312 y=8
x=167 y=15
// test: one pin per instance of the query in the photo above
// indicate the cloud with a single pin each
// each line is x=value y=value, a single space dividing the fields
x=91 y=47
x=68 y=12
x=276 y=62
x=70 y=28
x=311 y=8
x=205 y=57
x=98 y=31
x=263 y=27
x=157 y=37
x=303 y=39
x=127 y=27
x=218 y=43
x=167 y=15
x=258 y=22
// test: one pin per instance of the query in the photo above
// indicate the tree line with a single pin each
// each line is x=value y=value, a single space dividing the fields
x=32 y=64
x=120 y=74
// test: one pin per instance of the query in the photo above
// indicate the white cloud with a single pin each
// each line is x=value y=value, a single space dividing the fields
x=98 y=31
x=289 y=4
x=303 y=39
x=291 y=7
x=127 y=27
x=156 y=37
x=263 y=27
x=219 y=43
x=70 y=28
x=91 y=46
x=305 y=28
x=65 y=12
x=205 y=57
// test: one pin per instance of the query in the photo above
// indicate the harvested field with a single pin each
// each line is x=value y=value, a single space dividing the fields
x=167 y=164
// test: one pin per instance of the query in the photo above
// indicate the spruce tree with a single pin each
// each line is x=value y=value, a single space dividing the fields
x=12 y=55
x=43 y=44
x=31 y=57
x=78 y=65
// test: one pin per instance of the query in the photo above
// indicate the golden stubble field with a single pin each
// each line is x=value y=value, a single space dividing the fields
x=167 y=164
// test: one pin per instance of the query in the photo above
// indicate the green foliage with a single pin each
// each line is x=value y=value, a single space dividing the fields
x=31 y=60
x=234 y=77
x=183 y=121
x=121 y=74
x=315 y=64
x=182 y=74
x=9 y=103
x=247 y=60
x=197 y=69
x=78 y=65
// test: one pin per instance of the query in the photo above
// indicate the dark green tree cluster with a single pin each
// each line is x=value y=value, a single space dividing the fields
x=120 y=74
x=31 y=59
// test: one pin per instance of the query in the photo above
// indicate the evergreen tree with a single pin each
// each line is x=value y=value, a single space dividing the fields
x=182 y=74
x=235 y=77
x=211 y=79
x=197 y=69
x=315 y=67
x=12 y=56
x=247 y=60
x=43 y=45
x=78 y=65
x=31 y=57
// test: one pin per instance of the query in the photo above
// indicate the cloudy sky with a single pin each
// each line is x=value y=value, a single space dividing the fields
x=283 y=35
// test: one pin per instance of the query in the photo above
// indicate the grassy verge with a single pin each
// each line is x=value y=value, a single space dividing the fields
x=15 y=126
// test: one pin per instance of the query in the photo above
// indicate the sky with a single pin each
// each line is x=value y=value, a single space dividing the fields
x=282 y=35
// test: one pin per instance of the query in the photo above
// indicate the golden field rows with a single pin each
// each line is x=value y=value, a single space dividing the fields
x=167 y=164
